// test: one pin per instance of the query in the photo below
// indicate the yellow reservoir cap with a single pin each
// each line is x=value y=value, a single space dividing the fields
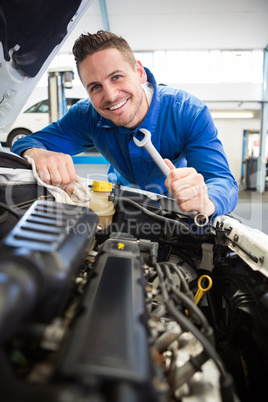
x=104 y=186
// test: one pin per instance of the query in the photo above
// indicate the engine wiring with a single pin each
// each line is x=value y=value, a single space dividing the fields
x=183 y=338
x=161 y=218
x=186 y=297
x=9 y=209
x=170 y=297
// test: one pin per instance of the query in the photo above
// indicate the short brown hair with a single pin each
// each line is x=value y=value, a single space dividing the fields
x=88 y=44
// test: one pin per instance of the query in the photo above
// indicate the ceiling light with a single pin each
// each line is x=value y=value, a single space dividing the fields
x=232 y=115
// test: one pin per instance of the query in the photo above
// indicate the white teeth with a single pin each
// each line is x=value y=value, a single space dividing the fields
x=118 y=105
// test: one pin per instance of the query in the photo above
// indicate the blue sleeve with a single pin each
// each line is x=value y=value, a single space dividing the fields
x=204 y=152
x=70 y=134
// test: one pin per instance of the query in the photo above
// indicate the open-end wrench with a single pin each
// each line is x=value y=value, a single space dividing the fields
x=200 y=219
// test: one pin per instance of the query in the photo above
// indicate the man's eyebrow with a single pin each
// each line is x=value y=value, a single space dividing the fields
x=90 y=84
x=108 y=76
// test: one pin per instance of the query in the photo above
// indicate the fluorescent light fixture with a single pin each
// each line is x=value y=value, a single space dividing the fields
x=232 y=115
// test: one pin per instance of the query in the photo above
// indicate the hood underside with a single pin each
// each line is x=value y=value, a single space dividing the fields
x=31 y=30
x=31 y=34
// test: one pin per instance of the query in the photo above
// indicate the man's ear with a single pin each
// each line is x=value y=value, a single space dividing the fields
x=141 y=72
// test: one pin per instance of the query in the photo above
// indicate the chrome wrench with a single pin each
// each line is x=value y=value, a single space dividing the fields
x=200 y=219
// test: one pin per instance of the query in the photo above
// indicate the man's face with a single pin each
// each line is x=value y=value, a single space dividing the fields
x=114 y=87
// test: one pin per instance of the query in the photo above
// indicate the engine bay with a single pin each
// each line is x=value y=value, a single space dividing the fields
x=151 y=308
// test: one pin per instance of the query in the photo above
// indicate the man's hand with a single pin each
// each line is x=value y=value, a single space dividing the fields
x=189 y=190
x=54 y=168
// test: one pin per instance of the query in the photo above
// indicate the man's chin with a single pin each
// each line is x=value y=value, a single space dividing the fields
x=121 y=122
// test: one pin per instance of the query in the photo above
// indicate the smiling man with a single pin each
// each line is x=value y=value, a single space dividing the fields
x=123 y=98
x=113 y=85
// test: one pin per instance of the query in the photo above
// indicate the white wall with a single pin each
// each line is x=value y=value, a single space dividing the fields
x=231 y=136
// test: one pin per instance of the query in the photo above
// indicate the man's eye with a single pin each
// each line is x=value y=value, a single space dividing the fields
x=94 y=88
x=116 y=77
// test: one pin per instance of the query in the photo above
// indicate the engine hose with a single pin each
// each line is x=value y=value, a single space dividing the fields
x=152 y=214
x=187 y=325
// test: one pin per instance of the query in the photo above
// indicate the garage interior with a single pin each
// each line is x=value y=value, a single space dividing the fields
x=144 y=309
x=216 y=51
x=196 y=33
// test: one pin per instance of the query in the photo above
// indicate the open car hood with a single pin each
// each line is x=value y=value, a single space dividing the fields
x=31 y=34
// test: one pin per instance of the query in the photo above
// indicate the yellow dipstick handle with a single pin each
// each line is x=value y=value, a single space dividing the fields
x=202 y=290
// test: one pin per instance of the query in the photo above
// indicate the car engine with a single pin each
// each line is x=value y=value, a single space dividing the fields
x=151 y=308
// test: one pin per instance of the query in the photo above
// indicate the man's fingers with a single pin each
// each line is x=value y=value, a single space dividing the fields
x=44 y=175
x=169 y=163
x=71 y=174
x=188 y=188
x=64 y=176
x=182 y=179
x=56 y=179
x=70 y=188
x=54 y=168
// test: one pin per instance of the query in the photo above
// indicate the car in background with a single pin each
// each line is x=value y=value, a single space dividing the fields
x=32 y=118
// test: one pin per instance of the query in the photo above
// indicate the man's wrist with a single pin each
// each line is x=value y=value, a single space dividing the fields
x=29 y=152
x=24 y=153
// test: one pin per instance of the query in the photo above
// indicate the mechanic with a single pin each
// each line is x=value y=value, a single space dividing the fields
x=124 y=97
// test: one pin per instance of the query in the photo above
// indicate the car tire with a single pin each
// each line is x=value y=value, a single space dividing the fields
x=15 y=135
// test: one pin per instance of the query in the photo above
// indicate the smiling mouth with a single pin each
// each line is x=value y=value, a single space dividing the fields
x=118 y=105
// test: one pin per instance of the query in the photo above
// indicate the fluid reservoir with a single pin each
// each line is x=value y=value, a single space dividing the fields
x=100 y=203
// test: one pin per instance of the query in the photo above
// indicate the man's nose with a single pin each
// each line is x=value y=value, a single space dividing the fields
x=110 y=93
